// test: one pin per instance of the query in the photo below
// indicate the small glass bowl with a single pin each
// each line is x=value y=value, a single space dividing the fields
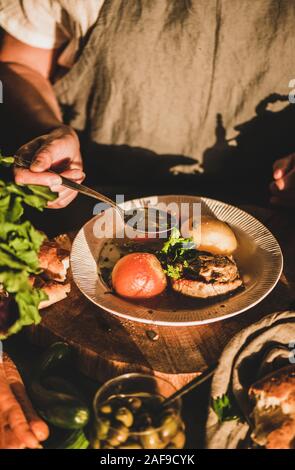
x=108 y=433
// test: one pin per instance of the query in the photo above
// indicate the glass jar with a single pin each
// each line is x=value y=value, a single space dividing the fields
x=128 y=416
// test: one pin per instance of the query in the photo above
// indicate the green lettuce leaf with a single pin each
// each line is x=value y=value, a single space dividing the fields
x=16 y=209
x=6 y=161
x=27 y=301
x=14 y=281
x=20 y=243
x=33 y=195
x=4 y=203
x=43 y=192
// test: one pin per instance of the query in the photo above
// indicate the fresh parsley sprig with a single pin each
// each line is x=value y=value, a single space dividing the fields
x=224 y=409
x=175 y=254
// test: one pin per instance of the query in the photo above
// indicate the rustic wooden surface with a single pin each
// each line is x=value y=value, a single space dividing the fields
x=107 y=346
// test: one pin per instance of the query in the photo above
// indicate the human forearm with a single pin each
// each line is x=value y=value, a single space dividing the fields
x=36 y=130
x=33 y=119
x=29 y=102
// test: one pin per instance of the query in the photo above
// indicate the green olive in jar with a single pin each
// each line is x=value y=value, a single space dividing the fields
x=135 y=403
x=105 y=409
x=150 y=439
x=118 y=434
x=169 y=426
x=125 y=416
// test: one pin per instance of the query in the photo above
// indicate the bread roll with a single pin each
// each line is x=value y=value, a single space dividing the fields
x=213 y=236
x=274 y=411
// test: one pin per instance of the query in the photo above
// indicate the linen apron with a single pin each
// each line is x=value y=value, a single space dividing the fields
x=188 y=86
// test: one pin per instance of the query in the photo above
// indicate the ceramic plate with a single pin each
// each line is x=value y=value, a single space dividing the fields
x=258 y=256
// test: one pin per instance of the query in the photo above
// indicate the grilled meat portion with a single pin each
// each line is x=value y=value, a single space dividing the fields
x=211 y=268
x=207 y=276
x=204 y=290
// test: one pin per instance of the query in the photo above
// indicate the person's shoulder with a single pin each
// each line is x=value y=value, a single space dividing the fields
x=32 y=21
x=48 y=24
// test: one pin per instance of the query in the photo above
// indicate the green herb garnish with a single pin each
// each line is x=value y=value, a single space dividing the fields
x=19 y=246
x=175 y=254
x=224 y=409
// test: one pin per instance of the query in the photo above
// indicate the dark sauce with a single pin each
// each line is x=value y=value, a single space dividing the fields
x=169 y=299
x=149 y=220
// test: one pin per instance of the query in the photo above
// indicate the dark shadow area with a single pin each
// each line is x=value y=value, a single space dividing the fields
x=259 y=141
x=195 y=412
x=216 y=158
x=238 y=174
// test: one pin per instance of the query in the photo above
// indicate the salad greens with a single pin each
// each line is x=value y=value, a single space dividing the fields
x=176 y=253
x=224 y=409
x=19 y=246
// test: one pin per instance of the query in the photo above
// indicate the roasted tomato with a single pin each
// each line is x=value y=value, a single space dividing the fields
x=138 y=276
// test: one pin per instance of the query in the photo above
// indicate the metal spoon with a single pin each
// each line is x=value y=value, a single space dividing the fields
x=125 y=215
x=196 y=382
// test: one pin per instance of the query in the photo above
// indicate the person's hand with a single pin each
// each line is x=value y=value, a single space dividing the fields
x=283 y=187
x=20 y=426
x=59 y=151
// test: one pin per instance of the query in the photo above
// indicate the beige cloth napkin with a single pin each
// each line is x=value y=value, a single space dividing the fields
x=254 y=352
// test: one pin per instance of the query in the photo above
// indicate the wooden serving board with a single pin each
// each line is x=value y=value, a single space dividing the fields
x=107 y=346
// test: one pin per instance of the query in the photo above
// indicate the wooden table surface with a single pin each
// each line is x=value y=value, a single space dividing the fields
x=179 y=353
